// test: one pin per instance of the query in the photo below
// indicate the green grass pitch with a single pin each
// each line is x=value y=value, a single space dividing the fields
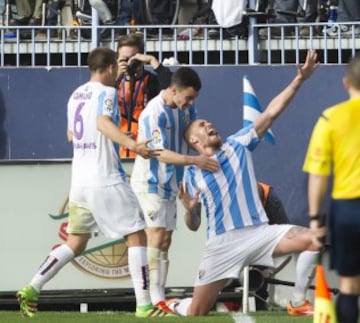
x=122 y=317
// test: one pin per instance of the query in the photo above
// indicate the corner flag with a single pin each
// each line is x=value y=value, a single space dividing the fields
x=324 y=310
x=252 y=109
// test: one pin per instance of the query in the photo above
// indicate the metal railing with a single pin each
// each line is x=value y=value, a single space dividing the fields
x=188 y=44
x=284 y=48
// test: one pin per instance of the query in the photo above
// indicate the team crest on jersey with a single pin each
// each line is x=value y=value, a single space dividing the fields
x=109 y=104
x=153 y=215
x=201 y=273
x=156 y=137
x=223 y=154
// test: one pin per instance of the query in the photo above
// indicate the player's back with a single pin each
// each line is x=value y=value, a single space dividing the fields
x=95 y=158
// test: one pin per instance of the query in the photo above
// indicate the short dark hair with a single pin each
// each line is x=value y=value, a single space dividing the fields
x=131 y=40
x=185 y=77
x=353 y=71
x=100 y=59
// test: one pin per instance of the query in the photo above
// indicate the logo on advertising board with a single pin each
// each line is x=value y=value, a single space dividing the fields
x=102 y=258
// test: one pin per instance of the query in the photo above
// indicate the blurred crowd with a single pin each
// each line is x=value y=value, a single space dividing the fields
x=131 y=12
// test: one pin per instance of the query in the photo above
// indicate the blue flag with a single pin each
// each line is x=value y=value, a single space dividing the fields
x=252 y=109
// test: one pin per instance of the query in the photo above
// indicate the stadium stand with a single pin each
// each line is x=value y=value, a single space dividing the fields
x=73 y=42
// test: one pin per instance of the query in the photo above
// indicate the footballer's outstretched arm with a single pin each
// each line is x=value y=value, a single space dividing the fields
x=281 y=101
x=171 y=157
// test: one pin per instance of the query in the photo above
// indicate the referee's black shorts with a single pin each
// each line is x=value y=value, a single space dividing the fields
x=345 y=236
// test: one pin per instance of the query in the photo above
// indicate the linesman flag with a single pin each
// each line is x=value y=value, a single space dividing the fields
x=252 y=108
x=324 y=310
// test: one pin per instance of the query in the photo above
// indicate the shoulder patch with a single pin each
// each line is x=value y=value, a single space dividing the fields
x=156 y=136
x=109 y=103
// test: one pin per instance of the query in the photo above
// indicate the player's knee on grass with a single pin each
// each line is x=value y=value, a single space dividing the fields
x=199 y=310
x=200 y=307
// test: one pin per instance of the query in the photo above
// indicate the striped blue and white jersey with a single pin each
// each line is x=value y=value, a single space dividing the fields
x=165 y=125
x=95 y=157
x=230 y=195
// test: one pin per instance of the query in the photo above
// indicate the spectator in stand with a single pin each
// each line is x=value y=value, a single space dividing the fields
x=129 y=12
x=103 y=9
x=118 y=13
x=29 y=13
x=54 y=10
x=160 y=10
x=108 y=12
x=348 y=11
x=290 y=11
x=161 y=14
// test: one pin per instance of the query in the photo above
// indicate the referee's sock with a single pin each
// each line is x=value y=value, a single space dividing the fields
x=347 y=308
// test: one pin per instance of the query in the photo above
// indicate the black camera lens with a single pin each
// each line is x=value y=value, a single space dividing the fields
x=134 y=66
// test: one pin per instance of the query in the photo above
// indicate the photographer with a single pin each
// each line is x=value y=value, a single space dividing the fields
x=136 y=86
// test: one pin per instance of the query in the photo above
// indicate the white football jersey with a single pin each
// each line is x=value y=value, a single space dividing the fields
x=165 y=126
x=230 y=195
x=95 y=157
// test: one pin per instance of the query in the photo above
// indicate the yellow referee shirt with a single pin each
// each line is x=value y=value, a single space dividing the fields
x=335 y=147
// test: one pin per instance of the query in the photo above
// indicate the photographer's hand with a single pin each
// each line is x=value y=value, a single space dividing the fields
x=122 y=67
x=147 y=59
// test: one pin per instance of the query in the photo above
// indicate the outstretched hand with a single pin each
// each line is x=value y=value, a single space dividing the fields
x=189 y=202
x=310 y=65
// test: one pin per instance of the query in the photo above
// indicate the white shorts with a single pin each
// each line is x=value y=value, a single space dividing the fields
x=113 y=210
x=158 y=212
x=227 y=254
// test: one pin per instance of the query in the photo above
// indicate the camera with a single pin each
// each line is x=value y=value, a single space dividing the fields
x=134 y=66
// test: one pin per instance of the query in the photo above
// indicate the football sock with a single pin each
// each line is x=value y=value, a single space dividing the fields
x=164 y=268
x=157 y=292
x=305 y=266
x=138 y=267
x=182 y=306
x=347 y=308
x=57 y=259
